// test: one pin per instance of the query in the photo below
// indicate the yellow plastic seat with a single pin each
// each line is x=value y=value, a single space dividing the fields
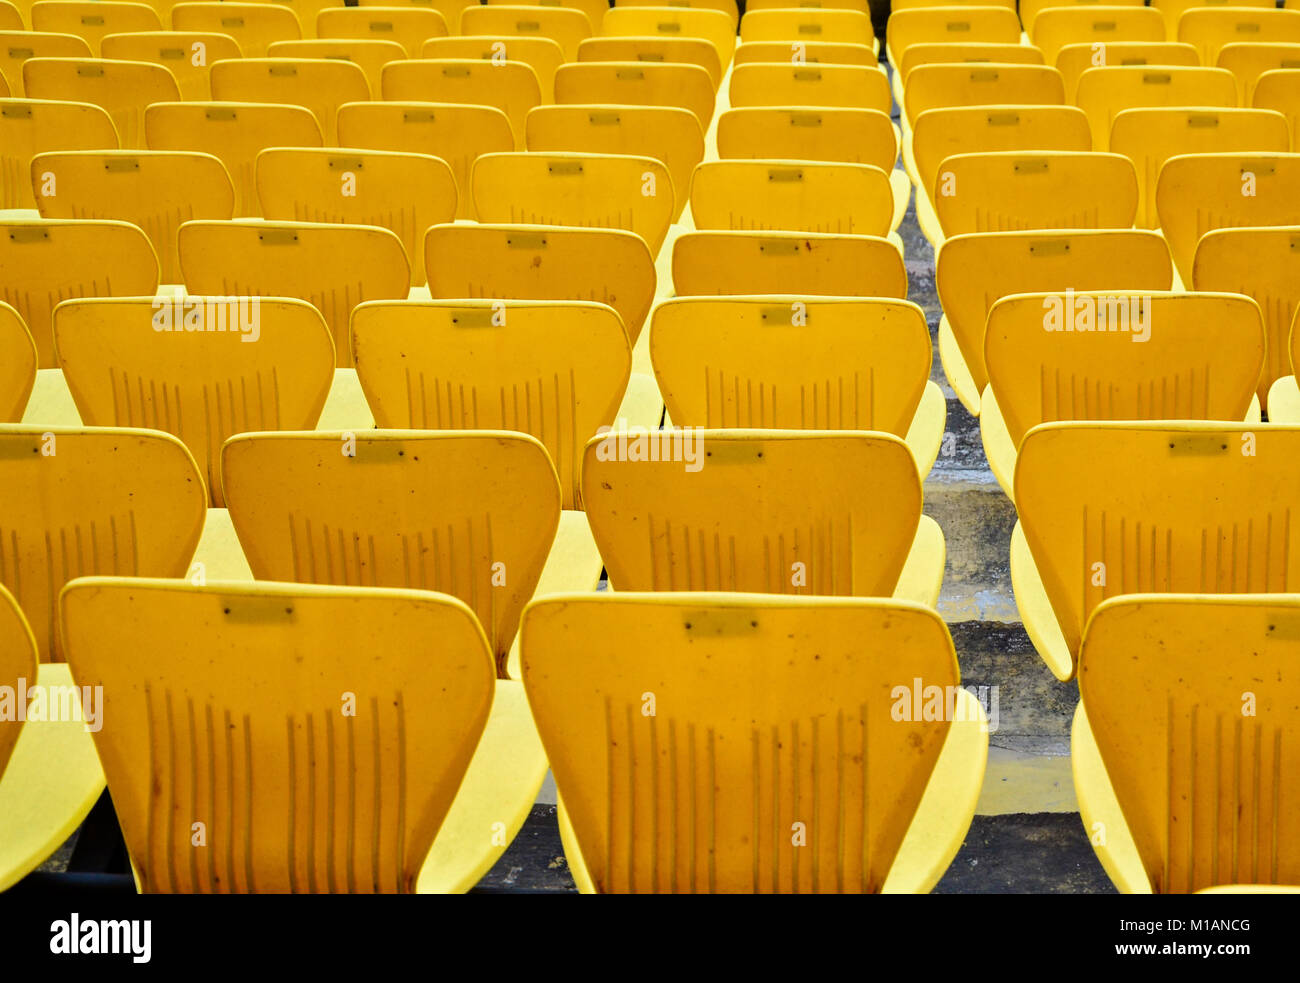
x=45 y=261
x=450 y=9
x=1103 y=93
x=1150 y=137
x=847 y=86
x=1279 y=90
x=369 y=56
x=668 y=134
x=306 y=11
x=188 y=55
x=11 y=16
x=1056 y=27
x=790 y=195
x=845 y=365
x=542 y=55
x=1115 y=355
x=973 y=271
x=1284 y=395
x=637 y=84
x=1035 y=189
x=859 y=5
x=473 y=514
x=314 y=83
x=804 y=263
x=92 y=21
x=956 y=53
x=690 y=51
x=564 y=25
x=17 y=375
x=456 y=134
x=49 y=773
x=594 y=9
x=605 y=191
x=1202 y=789
x=333 y=267
x=854 y=136
x=1197 y=193
x=728 y=7
x=509 y=86
x=233 y=132
x=522 y=262
x=1263 y=263
x=556 y=371
x=793 y=25
x=966 y=24
x=122 y=88
x=404 y=193
x=771 y=511
x=714 y=26
x=745 y=789
x=33 y=126
x=1174 y=9
x=206 y=682
x=1075 y=59
x=115 y=353
x=1209 y=29
x=944 y=86
x=155 y=190
x=468 y=513
x=1030 y=9
x=805 y=52
x=254 y=26
x=1163 y=507
x=17 y=46
x=1250 y=59
x=82 y=501
x=408 y=26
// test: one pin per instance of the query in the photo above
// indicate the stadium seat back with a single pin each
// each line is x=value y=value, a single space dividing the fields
x=1279 y=90
x=369 y=56
x=542 y=55
x=18 y=666
x=803 y=52
x=1103 y=93
x=1163 y=507
x=706 y=801
x=1105 y=355
x=956 y=52
x=807 y=24
x=254 y=26
x=1263 y=263
x=806 y=263
x=1209 y=29
x=605 y=191
x=682 y=85
x=690 y=51
x=1030 y=9
x=714 y=26
x=1251 y=59
x=836 y=364
x=1163 y=679
x=233 y=132
x=564 y=25
x=408 y=26
x=946 y=86
x=331 y=266
x=1197 y=193
x=854 y=136
x=223 y=707
x=122 y=88
x=1075 y=59
x=1150 y=137
x=1174 y=9
x=511 y=87
x=318 y=84
x=521 y=262
x=78 y=502
x=471 y=514
x=769 y=511
x=188 y=55
x=32 y=126
x=974 y=271
x=154 y=190
x=1056 y=27
x=793 y=196
x=942 y=133
x=557 y=371
x=666 y=133
x=17 y=46
x=200 y=368
x=404 y=193
x=965 y=24
x=92 y=21
x=823 y=86
x=45 y=261
x=1035 y=189
x=456 y=134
